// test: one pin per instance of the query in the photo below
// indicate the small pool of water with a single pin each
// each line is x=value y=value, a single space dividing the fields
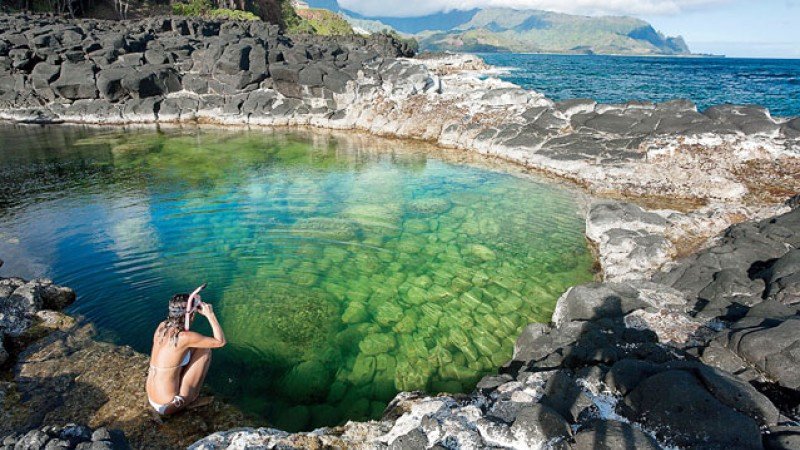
x=343 y=268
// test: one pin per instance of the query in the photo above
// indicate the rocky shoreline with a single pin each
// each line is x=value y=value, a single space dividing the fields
x=687 y=342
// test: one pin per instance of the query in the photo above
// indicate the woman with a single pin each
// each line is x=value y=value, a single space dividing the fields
x=180 y=358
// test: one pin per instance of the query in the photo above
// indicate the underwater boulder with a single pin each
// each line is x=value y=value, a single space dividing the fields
x=429 y=205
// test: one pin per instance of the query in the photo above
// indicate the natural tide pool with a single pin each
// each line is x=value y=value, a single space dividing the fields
x=343 y=268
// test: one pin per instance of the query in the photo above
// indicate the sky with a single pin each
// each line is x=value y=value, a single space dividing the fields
x=736 y=28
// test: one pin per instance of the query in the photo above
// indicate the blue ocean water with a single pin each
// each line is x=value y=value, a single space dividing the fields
x=773 y=83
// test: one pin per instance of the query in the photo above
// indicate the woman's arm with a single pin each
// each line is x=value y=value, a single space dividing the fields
x=197 y=340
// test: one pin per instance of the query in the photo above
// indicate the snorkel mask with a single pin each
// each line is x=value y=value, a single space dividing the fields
x=192 y=304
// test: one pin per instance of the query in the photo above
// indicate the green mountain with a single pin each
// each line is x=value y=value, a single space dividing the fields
x=533 y=31
x=367 y=25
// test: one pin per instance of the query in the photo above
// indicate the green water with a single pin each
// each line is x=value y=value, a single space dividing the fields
x=343 y=269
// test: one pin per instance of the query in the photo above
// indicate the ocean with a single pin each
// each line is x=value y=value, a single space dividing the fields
x=773 y=83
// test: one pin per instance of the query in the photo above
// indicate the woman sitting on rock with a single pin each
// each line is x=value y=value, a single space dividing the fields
x=180 y=358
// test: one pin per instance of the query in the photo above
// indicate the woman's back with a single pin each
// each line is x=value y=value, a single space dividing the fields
x=167 y=358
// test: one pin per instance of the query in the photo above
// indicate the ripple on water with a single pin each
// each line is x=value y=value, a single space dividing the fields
x=341 y=274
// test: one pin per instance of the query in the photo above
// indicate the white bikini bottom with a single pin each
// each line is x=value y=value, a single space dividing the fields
x=162 y=409
x=178 y=401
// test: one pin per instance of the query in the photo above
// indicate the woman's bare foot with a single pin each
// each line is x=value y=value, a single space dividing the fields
x=200 y=402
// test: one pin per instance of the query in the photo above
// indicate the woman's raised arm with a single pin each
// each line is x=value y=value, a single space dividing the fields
x=197 y=340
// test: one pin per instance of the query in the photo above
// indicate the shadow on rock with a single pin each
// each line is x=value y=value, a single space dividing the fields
x=602 y=369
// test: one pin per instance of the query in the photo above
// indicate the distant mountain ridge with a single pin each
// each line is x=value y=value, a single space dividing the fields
x=523 y=31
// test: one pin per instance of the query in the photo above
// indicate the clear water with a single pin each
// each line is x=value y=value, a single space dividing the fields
x=342 y=269
x=773 y=83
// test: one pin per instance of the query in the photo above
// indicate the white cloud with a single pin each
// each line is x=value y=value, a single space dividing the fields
x=411 y=8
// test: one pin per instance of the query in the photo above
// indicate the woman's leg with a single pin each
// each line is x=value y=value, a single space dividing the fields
x=194 y=374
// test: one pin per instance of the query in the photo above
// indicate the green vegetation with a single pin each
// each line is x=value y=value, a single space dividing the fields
x=319 y=21
x=409 y=40
x=204 y=8
x=268 y=10
x=291 y=21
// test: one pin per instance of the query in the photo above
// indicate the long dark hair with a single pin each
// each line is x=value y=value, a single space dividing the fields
x=173 y=325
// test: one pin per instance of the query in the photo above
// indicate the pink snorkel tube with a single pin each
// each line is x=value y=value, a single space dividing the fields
x=191 y=305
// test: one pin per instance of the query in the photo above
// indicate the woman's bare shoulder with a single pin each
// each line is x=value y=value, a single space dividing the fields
x=187 y=338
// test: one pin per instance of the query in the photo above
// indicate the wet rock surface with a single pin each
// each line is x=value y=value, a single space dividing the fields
x=26 y=309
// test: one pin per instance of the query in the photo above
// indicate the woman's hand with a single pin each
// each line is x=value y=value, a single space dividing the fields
x=206 y=310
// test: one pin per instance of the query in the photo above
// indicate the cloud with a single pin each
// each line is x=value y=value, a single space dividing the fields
x=412 y=8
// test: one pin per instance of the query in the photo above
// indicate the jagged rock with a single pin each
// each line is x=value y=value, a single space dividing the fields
x=730 y=286
x=413 y=440
x=611 y=300
x=536 y=424
x=33 y=440
x=71 y=436
x=782 y=438
x=152 y=81
x=632 y=241
x=771 y=345
x=337 y=81
x=626 y=374
x=489 y=383
x=235 y=58
x=722 y=358
x=728 y=278
x=783 y=278
x=76 y=81
x=680 y=410
x=747 y=119
x=597 y=301
x=43 y=74
x=612 y=435
x=101 y=434
x=505 y=411
x=739 y=395
x=526 y=338
x=56 y=297
x=564 y=396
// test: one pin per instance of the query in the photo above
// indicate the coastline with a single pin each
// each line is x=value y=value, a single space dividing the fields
x=501 y=120
x=624 y=55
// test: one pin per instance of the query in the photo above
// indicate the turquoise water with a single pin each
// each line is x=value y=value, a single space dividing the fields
x=773 y=83
x=343 y=269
